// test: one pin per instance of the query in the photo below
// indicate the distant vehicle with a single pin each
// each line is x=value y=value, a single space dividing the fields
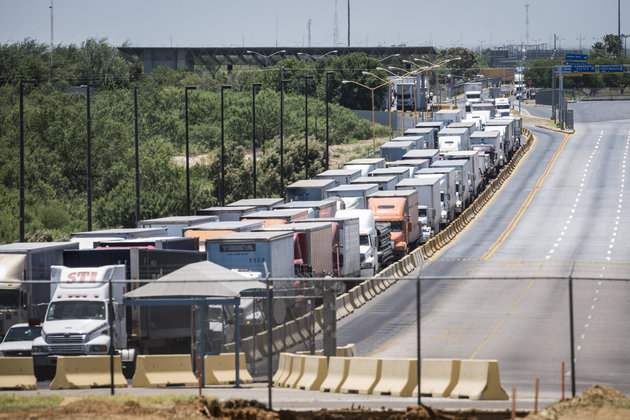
x=503 y=107
x=18 y=340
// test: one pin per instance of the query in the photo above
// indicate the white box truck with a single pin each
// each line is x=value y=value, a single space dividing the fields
x=448 y=192
x=429 y=203
x=368 y=242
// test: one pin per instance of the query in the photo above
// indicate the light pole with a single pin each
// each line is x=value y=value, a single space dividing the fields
x=186 y=89
x=135 y=126
x=371 y=89
x=22 y=156
x=328 y=73
x=389 y=56
x=389 y=100
x=282 y=83
x=254 y=86
x=223 y=88
x=306 y=79
x=266 y=57
x=314 y=58
x=89 y=159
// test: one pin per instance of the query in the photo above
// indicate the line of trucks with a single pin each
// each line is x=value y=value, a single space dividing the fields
x=346 y=223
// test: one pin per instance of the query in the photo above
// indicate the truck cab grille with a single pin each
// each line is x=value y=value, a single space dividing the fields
x=65 y=338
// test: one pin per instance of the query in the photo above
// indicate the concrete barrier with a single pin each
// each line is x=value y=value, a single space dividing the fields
x=347 y=302
x=479 y=380
x=288 y=367
x=293 y=333
x=363 y=375
x=162 y=370
x=356 y=297
x=365 y=291
x=17 y=372
x=349 y=350
x=439 y=377
x=221 y=369
x=338 y=368
x=340 y=308
x=283 y=359
x=399 y=377
x=297 y=370
x=315 y=370
x=87 y=372
x=319 y=316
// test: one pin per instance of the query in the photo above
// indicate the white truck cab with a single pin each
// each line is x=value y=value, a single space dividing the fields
x=78 y=317
x=368 y=243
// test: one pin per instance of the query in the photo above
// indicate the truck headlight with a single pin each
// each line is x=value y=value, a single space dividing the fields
x=98 y=348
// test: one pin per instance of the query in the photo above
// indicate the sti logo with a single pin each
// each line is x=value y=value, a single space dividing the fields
x=82 y=276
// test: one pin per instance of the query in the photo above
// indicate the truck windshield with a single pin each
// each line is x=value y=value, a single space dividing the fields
x=503 y=106
x=75 y=310
x=364 y=240
x=9 y=299
x=473 y=95
x=396 y=226
x=23 y=334
x=215 y=313
x=422 y=212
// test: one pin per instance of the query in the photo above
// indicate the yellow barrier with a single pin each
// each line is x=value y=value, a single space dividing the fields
x=338 y=368
x=349 y=350
x=283 y=359
x=347 y=302
x=354 y=297
x=399 y=377
x=479 y=380
x=221 y=369
x=297 y=370
x=365 y=291
x=439 y=377
x=163 y=370
x=17 y=372
x=340 y=308
x=363 y=375
x=287 y=371
x=86 y=372
x=315 y=370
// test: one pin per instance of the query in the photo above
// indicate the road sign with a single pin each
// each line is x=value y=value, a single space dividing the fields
x=611 y=68
x=582 y=68
x=566 y=69
x=576 y=57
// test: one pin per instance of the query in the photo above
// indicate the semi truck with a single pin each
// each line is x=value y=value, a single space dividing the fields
x=453 y=139
x=506 y=127
x=475 y=164
x=316 y=209
x=448 y=192
x=463 y=181
x=368 y=240
x=354 y=195
x=429 y=203
x=419 y=142
x=260 y=203
x=400 y=209
x=489 y=142
x=502 y=106
x=429 y=135
x=206 y=231
x=365 y=165
x=22 y=266
x=227 y=213
x=175 y=225
x=400 y=172
x=472 y=91
x=385 y=182
x=86 y=240
x=394 y=150
x=309 y=189
x=341 y=176
x=431 y=154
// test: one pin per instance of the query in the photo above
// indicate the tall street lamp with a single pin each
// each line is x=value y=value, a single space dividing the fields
x=223 y=88
x=371 y=89
x=22 y=155
x=315 y=58
x=389 y=96
x=89 y=159
x=306 y=79
x=266 y=57
x=388 y=57
x=328 y=73
x=135 y=125
x=282 y=83
x=254 y=86
x=186 y=89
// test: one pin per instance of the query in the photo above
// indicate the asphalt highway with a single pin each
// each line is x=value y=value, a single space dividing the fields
x=500 y=290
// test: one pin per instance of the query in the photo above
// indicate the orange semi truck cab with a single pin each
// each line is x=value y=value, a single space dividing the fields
x=400 y=209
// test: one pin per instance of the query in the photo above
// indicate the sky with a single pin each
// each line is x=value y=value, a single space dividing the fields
x=268 y=23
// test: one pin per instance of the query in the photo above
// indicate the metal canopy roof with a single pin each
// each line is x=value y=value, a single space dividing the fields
x=202 y=279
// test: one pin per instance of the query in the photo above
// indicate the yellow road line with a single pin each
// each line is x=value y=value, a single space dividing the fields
x=502 y=320
x=483 y=209
x=526 y=203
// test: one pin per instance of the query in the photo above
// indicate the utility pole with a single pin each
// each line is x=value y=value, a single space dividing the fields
x=348 y=23
x=619 y=31
x=51 y=42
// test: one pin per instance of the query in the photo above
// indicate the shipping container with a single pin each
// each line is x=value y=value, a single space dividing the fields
x=394 y=150
x=354 y=195
x=86 y=239
x=365 y=165
x=400 y=172
x=431 y=154
x=321 y=208
x=181 y=243
x=385 y=182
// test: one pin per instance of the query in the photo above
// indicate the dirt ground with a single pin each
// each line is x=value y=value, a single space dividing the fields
x=597 y=402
